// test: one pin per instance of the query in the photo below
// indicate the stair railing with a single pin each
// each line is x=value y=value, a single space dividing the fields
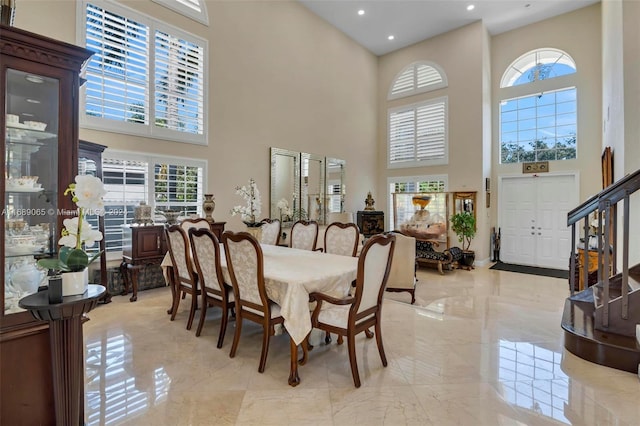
x=605 y=205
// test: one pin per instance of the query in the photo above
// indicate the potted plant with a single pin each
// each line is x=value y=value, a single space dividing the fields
x=464 y=225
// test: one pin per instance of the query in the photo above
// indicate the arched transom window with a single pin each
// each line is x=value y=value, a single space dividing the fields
x=418 y=77
x=539 y=120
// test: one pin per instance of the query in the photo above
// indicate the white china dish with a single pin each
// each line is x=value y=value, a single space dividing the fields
x=13 y=118
x=36 y=125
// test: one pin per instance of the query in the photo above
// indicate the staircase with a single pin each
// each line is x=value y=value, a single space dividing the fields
x=602 y=322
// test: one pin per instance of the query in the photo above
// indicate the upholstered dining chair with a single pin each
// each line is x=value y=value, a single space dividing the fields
x=206 y=256
x=184 y=280
x=362 y=310
x=270 y=231
x=402 y=276
x=304 y=235
x=341 y=239
x=246 y=270
x=197 y=223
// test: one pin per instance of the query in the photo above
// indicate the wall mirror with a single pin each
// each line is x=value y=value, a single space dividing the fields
x=335 y=184
x=465 y=202
x=312 y=187
x=285 y=184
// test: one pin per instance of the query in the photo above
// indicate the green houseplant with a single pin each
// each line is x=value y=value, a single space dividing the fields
x=464 y=225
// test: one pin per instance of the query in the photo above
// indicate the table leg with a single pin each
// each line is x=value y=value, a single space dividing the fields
x=134 y=284
x=125 y=278
x=294 y=379
x=67 y=357
x=173 y=289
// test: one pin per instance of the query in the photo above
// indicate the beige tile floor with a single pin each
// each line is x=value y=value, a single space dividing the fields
x=478 y=348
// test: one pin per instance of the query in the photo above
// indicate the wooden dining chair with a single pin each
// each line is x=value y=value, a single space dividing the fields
x=245 y=263
x=184 y=280
x=342 y=239
x=206 y=256
x=270 y=232
x=197 y=223
x=362 y=310
x=304 y=235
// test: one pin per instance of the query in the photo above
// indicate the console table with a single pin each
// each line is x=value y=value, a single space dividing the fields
x=144 y=245
x=67 y=347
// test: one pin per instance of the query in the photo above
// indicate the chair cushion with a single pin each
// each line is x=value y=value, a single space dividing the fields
x=336 y=315
x=275 y=310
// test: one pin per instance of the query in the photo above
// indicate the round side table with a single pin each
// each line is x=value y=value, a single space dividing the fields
x=67 y=355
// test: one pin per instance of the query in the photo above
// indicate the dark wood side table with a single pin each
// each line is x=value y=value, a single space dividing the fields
x=370 y=222
x=217 y=228
x=67 y=347
x=144 y=245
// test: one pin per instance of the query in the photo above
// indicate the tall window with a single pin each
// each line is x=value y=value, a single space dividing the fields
x=542 y=124
x=434 y=183
x=417 y=132
x=145 y=78
x=172 y=184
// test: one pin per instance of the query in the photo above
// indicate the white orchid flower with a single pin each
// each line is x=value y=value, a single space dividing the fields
x=89 y=191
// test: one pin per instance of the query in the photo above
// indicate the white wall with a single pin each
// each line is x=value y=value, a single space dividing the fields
x=279 y=76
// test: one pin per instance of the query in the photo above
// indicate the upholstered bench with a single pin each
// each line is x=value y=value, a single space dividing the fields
x=427 y=255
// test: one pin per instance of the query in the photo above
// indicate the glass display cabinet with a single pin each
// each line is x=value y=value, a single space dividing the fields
x=39 y=155
x=423 y=215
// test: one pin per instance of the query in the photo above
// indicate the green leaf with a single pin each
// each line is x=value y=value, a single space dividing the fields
x=77 y=259
x=55 y=264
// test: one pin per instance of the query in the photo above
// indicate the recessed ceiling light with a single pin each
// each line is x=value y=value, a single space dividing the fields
x=391 y=37
x=471 y=7
x=33 y=101
x=34 y=79
x=361 y=12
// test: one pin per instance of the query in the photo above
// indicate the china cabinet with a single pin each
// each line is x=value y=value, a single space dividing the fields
x=90 y=163
x=39 y=155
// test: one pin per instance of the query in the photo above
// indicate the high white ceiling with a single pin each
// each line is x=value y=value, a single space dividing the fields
x=411 y=21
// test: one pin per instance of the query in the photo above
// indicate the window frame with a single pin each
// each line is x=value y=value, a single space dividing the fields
x=181 y=8
x=147 y=130
x=151 y=160
x=535 y=88
x=417 y=90
x=393 y=180
x=415 y=162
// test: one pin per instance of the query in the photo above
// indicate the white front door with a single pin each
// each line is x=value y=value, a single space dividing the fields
x=533 y=219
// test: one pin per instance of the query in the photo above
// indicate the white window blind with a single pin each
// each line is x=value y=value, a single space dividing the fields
x=194 y=9
x=418 y=134
x=178 y=187
x=416 y=78
x=118 y=72
x=177 y=184
x=179 y=88
x=126 y=183
x=145 y=77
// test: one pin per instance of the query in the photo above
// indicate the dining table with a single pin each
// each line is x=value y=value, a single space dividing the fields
x=290 y=275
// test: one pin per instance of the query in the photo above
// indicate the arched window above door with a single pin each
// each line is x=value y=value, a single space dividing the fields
x=418 y=77
x=539 y=64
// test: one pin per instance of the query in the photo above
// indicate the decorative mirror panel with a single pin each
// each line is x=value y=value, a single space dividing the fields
x=285 y=184
x=312 y=187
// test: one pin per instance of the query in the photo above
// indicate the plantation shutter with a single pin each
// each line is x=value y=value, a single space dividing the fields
x=418 y=133
x=416 y=78
x=178 y=187
x=126 y=183
x=118 y=72
x=179 y=84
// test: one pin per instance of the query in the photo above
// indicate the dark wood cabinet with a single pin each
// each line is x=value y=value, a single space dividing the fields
x=370 y=222
x=39 y=122
x=90 y=163
x=143 y=246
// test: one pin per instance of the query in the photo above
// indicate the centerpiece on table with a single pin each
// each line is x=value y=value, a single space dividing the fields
x=73 y=261
x=251 y=210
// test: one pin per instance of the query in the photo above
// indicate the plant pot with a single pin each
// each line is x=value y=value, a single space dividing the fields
x=74 y=283
x=468 y=258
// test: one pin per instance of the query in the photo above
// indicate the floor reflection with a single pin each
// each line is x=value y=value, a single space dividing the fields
x=113 y=390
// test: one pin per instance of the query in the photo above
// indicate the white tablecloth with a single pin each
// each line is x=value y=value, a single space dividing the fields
x=291 y=274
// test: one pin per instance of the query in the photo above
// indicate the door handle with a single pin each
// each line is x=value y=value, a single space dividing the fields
x=533 y=233
x=158 y=242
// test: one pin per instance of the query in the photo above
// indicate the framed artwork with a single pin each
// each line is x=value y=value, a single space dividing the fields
x=607 y=167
